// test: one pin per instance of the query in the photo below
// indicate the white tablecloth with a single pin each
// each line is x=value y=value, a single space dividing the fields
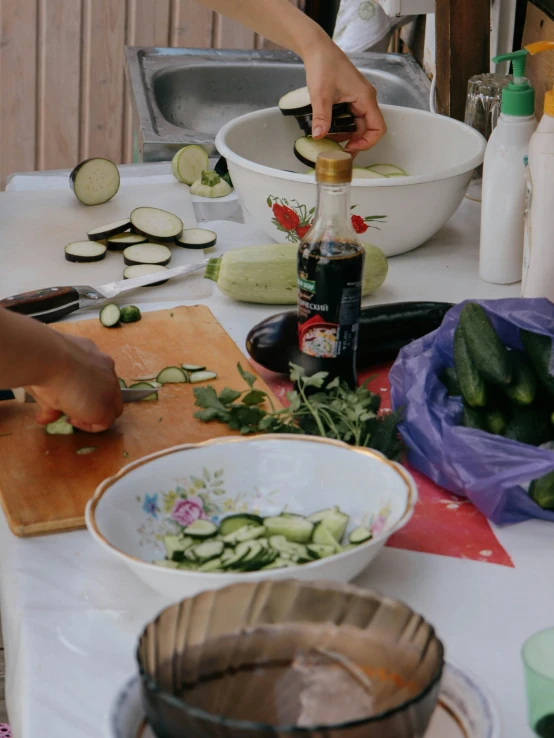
x=71 y=614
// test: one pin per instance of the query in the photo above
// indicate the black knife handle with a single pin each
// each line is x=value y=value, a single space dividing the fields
x=6 y=395
x=47 y=305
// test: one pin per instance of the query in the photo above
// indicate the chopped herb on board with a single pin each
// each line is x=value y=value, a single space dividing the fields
x=335 y=412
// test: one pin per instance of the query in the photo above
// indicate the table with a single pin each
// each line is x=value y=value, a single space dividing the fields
x=71 y=615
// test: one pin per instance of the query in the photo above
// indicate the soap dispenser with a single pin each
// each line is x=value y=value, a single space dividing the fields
x=504 y=188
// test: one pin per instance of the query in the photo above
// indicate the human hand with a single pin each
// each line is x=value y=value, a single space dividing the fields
x=83 y=386
x=332 y=78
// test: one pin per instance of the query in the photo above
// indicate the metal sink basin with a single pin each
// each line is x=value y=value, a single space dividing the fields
x=185 y=95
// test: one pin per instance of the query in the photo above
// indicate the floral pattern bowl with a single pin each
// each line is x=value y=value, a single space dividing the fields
x=166 y=491
x=396 y=214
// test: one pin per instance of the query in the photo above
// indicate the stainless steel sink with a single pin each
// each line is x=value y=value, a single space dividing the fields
x=185 y=95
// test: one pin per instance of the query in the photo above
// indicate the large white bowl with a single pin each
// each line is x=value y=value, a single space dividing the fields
x=130 y=512
x=439 y=154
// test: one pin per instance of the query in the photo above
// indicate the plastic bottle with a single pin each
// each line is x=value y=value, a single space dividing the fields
x=538 y=258
x=330 y=271
x=504 y=188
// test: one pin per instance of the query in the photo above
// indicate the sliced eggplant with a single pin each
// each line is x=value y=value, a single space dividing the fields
x=111 y=229
x=94 y=181
x=307 y=149
x=388 y=170
x=122 y=240
x=298 y=102
x=139 y=270
x=156 y=223
x=359 y=173
x=110 y=315
x=147 y=253
x=189 y=163
x=85 y=251
x=340 y=124
x=197 y=238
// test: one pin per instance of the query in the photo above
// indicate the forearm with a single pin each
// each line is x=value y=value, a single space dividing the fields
x=30 y=353
x=277 y=20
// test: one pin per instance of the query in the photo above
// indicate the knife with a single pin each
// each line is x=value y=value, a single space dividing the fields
x=127 y=394
x=52 y=303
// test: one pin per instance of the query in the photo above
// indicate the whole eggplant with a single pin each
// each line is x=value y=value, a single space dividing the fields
x=384 y=330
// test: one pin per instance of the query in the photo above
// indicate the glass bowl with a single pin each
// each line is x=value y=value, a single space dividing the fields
x=287 y=658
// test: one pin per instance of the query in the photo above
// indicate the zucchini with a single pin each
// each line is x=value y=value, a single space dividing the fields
x=471 y=382
x=539 y=350
x=474 y=418
x=188 y=164
x=94 y=181
x=130 y=314
x=523 y=388
x=210 y=184
x=489 y=354
x=267 y=274
x=383 y=331
x=530 y=425
x=541 y=491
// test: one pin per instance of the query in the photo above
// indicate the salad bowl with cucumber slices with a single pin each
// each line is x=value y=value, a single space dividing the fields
x=199 y=517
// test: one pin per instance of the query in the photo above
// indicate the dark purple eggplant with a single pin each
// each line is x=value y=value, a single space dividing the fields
x=384 y=330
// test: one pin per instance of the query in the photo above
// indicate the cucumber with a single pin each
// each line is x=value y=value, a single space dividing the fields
x=361 y=534
x=175 y=546
x=541 y=491
x=450 y=380
x=320 y=551
x=208 y=550
x=523 y=388
x=489 y=354
x=333 y=519
x=530 y=425
x=323 y=536
x=167 y=564
x=171 y=375
x=496 y=421
x=267 y=274
x=473 y=418
x=471 y=382
x=539 y=350
x=60 y=427
x=122 y=383
x=201 y=529
x=297 y=530
x=232 y=523
x=110 y=315
x=130 y=314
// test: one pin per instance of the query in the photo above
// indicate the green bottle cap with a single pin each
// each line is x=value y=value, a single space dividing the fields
x=518 y=98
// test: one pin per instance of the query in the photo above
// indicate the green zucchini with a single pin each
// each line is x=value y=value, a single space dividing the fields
x=489 y=354
x=530 y=425
x=541 y=491
x=523 y=388
x=267 y=274
x=471 y=382
x=539 y=350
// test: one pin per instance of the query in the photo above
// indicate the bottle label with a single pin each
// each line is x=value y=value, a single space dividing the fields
x=329 y=299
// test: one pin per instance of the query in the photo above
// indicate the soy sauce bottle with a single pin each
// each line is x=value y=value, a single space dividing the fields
x=330 y=270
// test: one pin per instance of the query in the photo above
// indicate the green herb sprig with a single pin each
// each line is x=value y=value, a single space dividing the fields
x=330 y=411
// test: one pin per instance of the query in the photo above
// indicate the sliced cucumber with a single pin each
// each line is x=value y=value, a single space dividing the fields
x=298 y=530
x=334 y=520
x=197 y=238
x=122 y=240
x=175 y=546
x=130 y=314
x=320 y=551
x=145 y=385
x=201 y=529
x=122 y=383
x=196 y=377
x=232 y=523
x=388 y=170
x=193 y=367
x=358 y=173
x=188 y=164
x=83 y=252
x=156 y=223
x=139 y=270
x=171 y=375
x=110 y=315
x=211 y=566
x=359 y=535
x=95 y=181
x=249 y=533
x=307 y=149
x=167 y=564
x=208 y=550
x=60 y=427
x=147 y=253
x=111 y=229
x=323 y=536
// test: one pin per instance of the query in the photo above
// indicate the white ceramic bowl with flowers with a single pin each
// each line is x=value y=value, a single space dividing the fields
x=163 y=493
x=397 y=213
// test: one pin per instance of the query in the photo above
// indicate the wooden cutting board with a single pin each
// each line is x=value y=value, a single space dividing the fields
x=45 y=484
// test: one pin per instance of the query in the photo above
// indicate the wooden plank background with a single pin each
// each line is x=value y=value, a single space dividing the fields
x=63 y=94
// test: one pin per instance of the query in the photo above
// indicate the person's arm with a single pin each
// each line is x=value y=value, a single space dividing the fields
x=64 y=374
x=330 y=75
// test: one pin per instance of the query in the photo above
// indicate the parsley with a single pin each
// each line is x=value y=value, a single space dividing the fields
x=331 y=411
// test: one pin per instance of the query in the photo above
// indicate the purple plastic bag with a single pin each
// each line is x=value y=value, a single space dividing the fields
x=492 y=471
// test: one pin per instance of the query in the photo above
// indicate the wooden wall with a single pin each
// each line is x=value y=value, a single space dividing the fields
x=63 y=94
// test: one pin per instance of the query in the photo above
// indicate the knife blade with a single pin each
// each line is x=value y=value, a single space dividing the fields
x=52 y=303
x=128 y=394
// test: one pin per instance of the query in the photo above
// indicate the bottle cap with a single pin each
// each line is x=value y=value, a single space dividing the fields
x=518 y=98
x=333 y=167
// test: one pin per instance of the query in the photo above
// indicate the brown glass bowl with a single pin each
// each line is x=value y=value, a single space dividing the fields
x=231 y=632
